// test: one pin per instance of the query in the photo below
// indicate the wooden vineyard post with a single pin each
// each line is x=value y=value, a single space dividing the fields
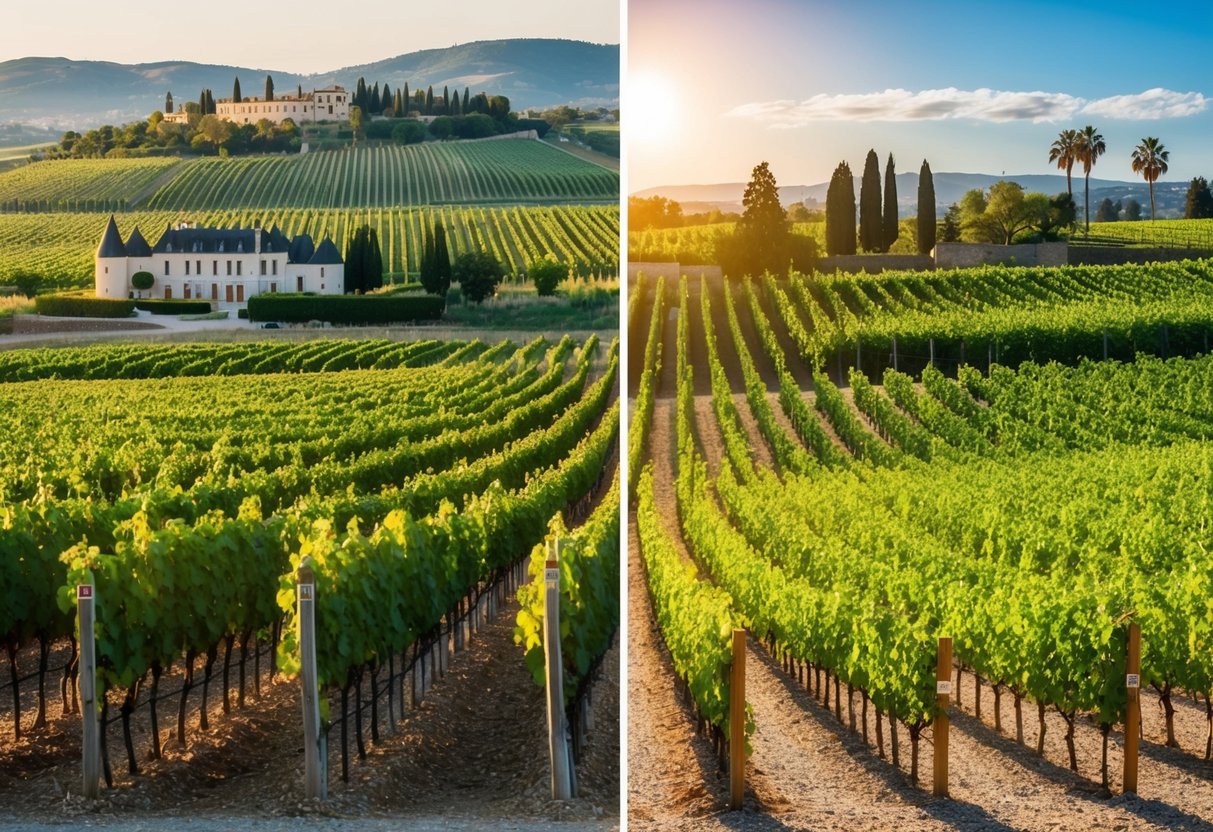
x=943 y=698
x=86 y=615
x=315 y=761
x=931 y=343
x=558 y=745
x=737 y=722
x=895 y=367
x=1133 y=707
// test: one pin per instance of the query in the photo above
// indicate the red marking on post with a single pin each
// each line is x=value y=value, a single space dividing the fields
x=84 y=591
x=552 y=564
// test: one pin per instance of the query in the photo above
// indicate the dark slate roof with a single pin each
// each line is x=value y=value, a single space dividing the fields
x=111 y=241
x=326 y=254
x=221 y=240
x=136 y=246
x=301 y=250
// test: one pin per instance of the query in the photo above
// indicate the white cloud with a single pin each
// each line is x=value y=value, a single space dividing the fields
x=979 y=105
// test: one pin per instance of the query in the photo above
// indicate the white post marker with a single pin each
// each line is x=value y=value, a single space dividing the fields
x=86 y=615
x=558 y=746
x=315 y=761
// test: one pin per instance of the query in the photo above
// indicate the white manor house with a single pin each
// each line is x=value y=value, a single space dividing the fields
x=328 y=104
x=224 y=265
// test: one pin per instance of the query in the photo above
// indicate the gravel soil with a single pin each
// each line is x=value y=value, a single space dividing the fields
x=808 y=770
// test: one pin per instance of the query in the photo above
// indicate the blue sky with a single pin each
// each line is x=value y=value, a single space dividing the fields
x=980 y=87
x=303 y=36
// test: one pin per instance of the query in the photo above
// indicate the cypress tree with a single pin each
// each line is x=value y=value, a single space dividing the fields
x=456 y=105
x=374 y=261
x=840 y=211
x=429 y=101
x=236 y=99
x=871 y=222
x=299 y=91
x=405 y=99
x=891 y=231
x=442 y=258
x=398 y=105
x=374 y=100
x=355 y=253
x=168 y=102
x=360 y=94
x=269 y=88
x=202 y=102
x=385 y=98
x=926 y=209
x=446 y=101
x=467 y=97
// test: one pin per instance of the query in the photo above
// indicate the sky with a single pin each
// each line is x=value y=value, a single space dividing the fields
x=304 y=36
x=713 y=87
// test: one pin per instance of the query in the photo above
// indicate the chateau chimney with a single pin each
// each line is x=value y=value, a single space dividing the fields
x=257 y=237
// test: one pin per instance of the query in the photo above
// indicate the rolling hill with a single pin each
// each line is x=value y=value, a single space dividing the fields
x=67 y=94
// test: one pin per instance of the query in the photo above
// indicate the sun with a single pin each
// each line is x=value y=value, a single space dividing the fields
x=650 y=108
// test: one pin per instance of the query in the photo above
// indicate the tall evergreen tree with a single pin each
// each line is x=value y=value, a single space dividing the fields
x=210 y=103
x=891 y=229
x=1198 y=204
x=355 y=256
x=236 y=99
x=871 y=221
x=385 y=98
x=456 y=105
x=926 y=209
x=299 y=91
x=374 y=103
x=446 y=102
x=269 y=88
x=429 y=101
x=168 y=102
x=467 y=98
x=840 y=211
x=373 y=262
x=406 y=100
x=436 y=263
x=360 y=93
x=398 y=105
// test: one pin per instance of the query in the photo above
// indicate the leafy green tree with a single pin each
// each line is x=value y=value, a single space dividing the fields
x=546 y=273
x=27 y=283
x=236 y=99
x=1108 y=211
x=477 y=273
x=409 y=132
x=1198 y=204
x=763 y=216
x=1006 y=212
x=653 y=212
x=269 y=88
x=356 y=122
x=142 y=282
x=890 y=231
x=926 y=210
x=871 y=219
x=763 y=239
x=1090 y=147
x=1132 y=209
x=1150 y=159
x=1065 y=152
x=1062 y=214
x=949 y=230
x=442 y=127
x=840 y=211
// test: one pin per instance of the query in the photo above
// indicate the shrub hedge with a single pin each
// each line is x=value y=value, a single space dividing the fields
x=76 y=306
x=173 y=307
x=345 y=309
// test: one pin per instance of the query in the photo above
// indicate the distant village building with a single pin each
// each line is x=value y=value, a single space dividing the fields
x=328 y=104
x=224 y=265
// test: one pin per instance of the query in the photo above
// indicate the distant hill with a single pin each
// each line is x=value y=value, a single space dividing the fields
x=64 y=94
x=949 y=188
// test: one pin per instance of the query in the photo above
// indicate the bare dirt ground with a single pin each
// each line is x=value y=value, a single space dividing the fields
x=809 y=771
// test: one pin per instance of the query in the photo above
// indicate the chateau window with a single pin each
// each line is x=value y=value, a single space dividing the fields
x=187 y=267
x=229 y=268
x=275 y=267
x=263 y=267
x=198 y=266
x=215 y=267
x=322 y=271
x=273 y=287
x=239 y=268
x=166 y=267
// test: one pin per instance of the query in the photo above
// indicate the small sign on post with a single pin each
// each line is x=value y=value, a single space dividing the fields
x=943 y=698
x=1132 y=707
x=315 y=761
x=86 y=616
x=737 y=722
x=558 y=745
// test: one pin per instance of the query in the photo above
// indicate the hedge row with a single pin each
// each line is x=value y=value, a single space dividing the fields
x=345 y=309
x=173 y=307
x=75 y=306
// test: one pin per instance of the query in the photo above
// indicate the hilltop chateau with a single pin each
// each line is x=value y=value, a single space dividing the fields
x=328 y=104
x=226 y=266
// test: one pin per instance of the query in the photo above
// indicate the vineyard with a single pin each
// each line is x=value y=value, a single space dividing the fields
x=190 y=483
x=696 y=244
x=1030 y=513
x=454 y=173
x=1160 y=233
x=62 y=246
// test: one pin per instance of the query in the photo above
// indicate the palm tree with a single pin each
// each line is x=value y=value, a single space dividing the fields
x=1090 y=148
x=1065 y=153
x=1150 y=160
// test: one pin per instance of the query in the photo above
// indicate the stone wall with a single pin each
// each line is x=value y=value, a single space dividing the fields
x=962 y=255
x=875 y=263
x=1114 y=255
